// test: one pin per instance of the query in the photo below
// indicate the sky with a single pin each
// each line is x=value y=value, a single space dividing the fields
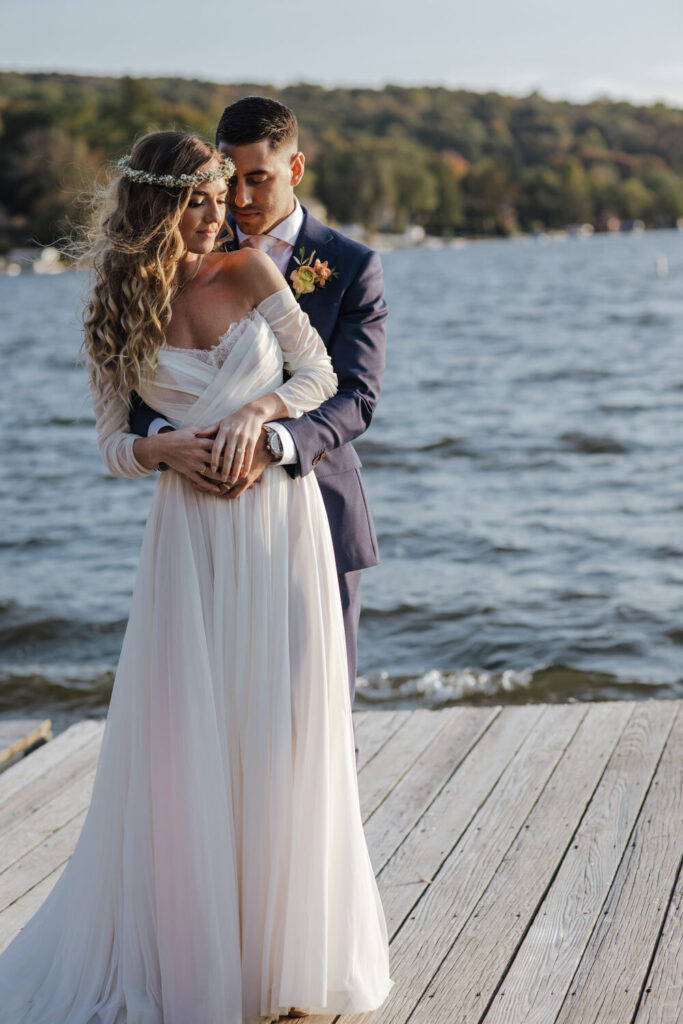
x=574 y=50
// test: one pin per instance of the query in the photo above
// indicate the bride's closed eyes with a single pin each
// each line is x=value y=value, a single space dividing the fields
x=200 y=201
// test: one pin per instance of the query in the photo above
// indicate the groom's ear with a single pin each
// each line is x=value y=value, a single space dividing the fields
x=297 y=168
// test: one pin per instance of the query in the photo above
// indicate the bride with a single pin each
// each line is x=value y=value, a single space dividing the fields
x=221 y=874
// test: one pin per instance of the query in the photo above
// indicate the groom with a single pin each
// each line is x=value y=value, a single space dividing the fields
x=348 y=310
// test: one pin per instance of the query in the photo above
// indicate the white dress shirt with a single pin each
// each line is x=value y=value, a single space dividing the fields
x=280 y=252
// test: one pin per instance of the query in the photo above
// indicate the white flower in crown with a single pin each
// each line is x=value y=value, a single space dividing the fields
x=225 y=169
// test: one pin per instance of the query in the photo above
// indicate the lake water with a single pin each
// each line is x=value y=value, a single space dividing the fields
x=524 y=468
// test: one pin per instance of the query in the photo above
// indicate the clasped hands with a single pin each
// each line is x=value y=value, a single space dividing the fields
x=224 y=459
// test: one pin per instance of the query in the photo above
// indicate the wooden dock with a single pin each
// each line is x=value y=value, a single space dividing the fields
x=20 y=736
x=529 y=857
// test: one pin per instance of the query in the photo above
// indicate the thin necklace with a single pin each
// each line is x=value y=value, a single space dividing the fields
x=192 y=276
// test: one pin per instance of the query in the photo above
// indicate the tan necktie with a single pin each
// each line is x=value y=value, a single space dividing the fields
x=276 y=248
x=263 y=242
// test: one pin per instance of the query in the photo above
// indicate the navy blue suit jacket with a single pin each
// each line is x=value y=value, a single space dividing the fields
x=349 y=313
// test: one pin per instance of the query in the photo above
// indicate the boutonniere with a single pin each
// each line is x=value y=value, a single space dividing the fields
x=309 y=275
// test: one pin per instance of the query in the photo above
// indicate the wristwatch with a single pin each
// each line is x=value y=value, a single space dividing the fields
x=274 y=444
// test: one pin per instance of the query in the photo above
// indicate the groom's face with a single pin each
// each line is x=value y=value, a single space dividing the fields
x=261 y=192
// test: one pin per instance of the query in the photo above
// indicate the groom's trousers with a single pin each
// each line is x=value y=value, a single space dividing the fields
x=349 y=589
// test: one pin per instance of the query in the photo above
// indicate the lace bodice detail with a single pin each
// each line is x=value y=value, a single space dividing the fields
x=218 y=353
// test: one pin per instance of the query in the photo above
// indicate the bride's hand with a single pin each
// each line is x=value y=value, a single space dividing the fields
x=187 y=451
x=235 y=441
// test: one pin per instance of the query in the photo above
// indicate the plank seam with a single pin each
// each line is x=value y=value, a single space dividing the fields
x=558 y=867
x=425 y=810
x=624 y=853
x=24 y=814
x=463 y=923
x=39 y=881
x=391 y=735
x=402 y=775
x=45 y=838
x=643 y=987
x=476 y=810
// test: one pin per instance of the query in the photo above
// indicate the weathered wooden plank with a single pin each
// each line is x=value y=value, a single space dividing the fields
x=654 y=856
x=609 y=979
x=482 y=950
x=14 y=917
x=31 y=832
x=392 y=821
x=426 y=935
x=39 y=791
x=42 y=860
x=396 y=756
x=662 y=998
x=45 y=758
x=411 y=869
x=539 y=978
x=374 y=732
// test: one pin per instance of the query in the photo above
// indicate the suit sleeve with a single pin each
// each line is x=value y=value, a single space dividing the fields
x=141 y=416
x=358 y=351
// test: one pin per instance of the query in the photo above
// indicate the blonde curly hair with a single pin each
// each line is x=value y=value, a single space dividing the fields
x=133 y=247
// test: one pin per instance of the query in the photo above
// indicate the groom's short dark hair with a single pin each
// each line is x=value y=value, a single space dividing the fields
x=254 y=118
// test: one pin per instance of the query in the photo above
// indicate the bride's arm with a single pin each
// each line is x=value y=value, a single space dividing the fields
x=313 y=379
x=126 y=454
x=123 y=453
x=304 y=354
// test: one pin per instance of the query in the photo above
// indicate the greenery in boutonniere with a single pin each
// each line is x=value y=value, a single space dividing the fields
x=309 y=275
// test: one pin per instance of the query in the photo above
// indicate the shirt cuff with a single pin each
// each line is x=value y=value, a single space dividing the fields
x=290 y=455
x=156 y=425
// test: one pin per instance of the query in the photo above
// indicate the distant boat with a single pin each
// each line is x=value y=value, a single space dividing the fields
x=38 y=260
x=636 y=226
x=580 y=230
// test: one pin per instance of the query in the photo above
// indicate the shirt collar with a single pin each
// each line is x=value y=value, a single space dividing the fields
x=287 y=230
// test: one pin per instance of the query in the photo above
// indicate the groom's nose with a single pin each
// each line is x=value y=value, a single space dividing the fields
x=242 y=194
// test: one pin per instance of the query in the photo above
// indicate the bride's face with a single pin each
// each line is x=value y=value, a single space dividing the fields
x=261 y=192
x=205 y=214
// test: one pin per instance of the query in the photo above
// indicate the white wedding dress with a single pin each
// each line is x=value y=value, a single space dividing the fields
x=222 y=873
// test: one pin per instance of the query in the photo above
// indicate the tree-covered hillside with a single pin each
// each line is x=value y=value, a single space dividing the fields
x=455 y=162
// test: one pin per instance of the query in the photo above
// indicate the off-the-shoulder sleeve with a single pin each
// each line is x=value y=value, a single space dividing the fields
x=114 y=438
x=313 y=379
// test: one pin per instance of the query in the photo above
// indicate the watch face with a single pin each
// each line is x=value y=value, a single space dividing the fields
x=275 y=443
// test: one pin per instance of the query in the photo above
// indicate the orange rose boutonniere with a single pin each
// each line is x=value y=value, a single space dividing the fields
x=309 y=275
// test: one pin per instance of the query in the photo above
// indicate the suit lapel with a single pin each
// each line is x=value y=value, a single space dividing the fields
x=316 y=237
x=313 y=236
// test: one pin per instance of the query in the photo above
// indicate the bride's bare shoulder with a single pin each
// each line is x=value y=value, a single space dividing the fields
x=251 y=271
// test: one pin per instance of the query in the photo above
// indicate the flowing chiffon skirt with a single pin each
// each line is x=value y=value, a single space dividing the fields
x=222 y=873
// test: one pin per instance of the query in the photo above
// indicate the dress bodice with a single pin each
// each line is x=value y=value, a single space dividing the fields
x=218 y=353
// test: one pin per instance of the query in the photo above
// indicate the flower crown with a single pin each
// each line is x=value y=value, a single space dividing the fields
x=226 y=169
